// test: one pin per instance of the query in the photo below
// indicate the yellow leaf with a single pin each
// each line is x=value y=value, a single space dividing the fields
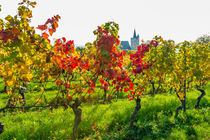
x=9 y=83
x=42 y=89
x=38 y=100
x=9 y=73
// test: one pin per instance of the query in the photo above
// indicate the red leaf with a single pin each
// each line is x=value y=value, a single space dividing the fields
x=66 y=85
x=131 y=99
x=124 y=53
x=42 y=27
x=120 y=65
x=93 y=85
x=89 y=91
x=125 y=89
x=66 y=49
x=58 y=42
x=101 y=81
x=64 y=39
x=131 y=86
x=48 y=40
x=71 y=42
x=118 y=42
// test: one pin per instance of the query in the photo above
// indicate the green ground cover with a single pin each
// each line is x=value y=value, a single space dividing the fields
x=155 y=120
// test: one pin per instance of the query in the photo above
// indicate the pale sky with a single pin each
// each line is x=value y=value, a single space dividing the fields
x=172 y=19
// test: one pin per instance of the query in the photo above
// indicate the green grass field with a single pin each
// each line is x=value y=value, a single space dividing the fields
x=108 y=121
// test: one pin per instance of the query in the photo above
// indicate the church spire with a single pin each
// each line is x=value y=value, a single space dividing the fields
x=134 y=34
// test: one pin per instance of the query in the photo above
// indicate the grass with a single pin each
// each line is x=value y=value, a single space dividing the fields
x=155 y=120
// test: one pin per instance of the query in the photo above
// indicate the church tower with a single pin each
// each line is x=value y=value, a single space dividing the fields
x=134 y=41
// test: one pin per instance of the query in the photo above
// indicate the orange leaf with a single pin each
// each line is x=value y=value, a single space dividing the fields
x=69 y=96
x=15 y=31
x=45 y=35
x=51 y=32
x=58 y=17
x=55 y=24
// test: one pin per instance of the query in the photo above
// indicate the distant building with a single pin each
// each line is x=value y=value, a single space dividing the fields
x=134 y=43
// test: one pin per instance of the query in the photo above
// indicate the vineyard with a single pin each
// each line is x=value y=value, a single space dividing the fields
x=53 y=90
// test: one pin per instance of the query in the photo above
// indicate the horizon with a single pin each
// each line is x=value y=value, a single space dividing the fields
x=177 y=20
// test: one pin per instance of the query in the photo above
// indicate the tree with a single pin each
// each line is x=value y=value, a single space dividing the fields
x=17 y=47
x=200 y=69
x=182 y=72
x=203 y=39
x=138 y=67
x=70 y=94
x=106 y=60
x=162 y=57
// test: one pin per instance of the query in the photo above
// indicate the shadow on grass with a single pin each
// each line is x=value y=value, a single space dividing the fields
x=154 y=122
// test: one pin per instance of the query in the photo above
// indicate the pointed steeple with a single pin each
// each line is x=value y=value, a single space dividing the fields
x=134 y=34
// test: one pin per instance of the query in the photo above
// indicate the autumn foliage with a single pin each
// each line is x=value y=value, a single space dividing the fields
x=27 y=56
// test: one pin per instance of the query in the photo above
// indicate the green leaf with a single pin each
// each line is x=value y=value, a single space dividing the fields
x=9 y=18
x=33 y=4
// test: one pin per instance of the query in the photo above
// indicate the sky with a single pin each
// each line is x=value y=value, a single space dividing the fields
x=178 y=20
